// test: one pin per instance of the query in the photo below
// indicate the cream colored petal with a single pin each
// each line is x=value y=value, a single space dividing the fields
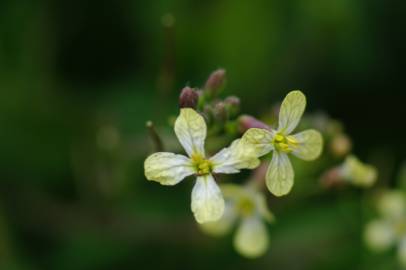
x=167 y=168
x=251 y=239
x=233 y=158
x=224 y=224
x=291 y=111
x=392 y=204
x=309 y=144
x=280 y=174
x=207 y=200
x=260 y=140
x=379 y=235
x=401 y=252
x=191 y=130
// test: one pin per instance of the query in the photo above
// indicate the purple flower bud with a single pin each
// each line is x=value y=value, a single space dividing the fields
x=232 y=104
x=215 y=82
x=219 y=111
x=188 y=98
x=246 y=122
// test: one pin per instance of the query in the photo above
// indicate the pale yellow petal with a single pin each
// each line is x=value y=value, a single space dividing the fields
x=291 y=111
x=251 y=239
x=379 y=235
x=234 y=158
x=207 y=200
x=167 y=168
x=224 y=224
x=259 y=139
x=309 y=144
x=190 y=128
x=280 y=174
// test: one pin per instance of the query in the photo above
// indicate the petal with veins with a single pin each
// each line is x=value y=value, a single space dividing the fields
x=207 y=200
x=291 y=111
x=280 y=174
x=235 y=157
x=309 y=144
x=191 y=130
x=167 y=168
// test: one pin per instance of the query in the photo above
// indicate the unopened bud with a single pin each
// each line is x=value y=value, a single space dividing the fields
x=246 y=122
x=232 y=104
x=219 y=112
x=332 y=178
x=215 y=82
x=188 y=98
x=340 y=145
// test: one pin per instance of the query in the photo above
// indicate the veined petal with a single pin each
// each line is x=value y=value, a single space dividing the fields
x=191 y=130
x=379 y=235
x=167 y=168
x=280 y=174
x=291 y=111
x=207 y=200
x=309 y=144
x=260 y=140
x=251 y=239
x=233 y=158
x=224 y=224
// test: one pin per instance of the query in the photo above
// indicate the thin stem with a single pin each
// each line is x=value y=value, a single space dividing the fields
x=156 y=139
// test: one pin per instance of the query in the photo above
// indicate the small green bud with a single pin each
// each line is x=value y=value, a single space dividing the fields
x=188 y=98
x=215 y=83
x=220 y=112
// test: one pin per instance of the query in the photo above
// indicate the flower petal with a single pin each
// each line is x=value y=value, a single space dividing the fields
x=379 y=235
x=310 y=144
x=207 y=200
x=191 y=130
x=260 y=139
x=280 y=174
x=235 y=157
x=251 y=239
x=224 y=224
x=357 y=172
x=291 y=111
x=167 y=168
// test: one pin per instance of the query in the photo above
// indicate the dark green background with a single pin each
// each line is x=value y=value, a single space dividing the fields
x=69 y=69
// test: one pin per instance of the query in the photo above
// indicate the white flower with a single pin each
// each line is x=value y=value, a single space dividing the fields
x=169 y=168
x=390 y=229
x=358 y=173
x=247 y=207
x=306 y=145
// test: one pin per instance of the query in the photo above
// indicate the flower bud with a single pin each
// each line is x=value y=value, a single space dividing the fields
x=340 y=145
x=232 y=104
x=219 y=112
x=188 y=98
x=215 y=82
x=246 y=122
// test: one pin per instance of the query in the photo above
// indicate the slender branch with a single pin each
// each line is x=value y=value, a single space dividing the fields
x=156 y=139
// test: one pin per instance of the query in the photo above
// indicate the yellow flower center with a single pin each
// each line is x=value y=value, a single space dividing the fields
x=246 y=207
x=202 y=166
x=284 y=143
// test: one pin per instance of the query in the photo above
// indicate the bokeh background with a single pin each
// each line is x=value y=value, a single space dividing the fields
x=79 y=79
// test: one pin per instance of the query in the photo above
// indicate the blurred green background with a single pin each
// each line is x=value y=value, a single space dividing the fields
x=79 y=79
